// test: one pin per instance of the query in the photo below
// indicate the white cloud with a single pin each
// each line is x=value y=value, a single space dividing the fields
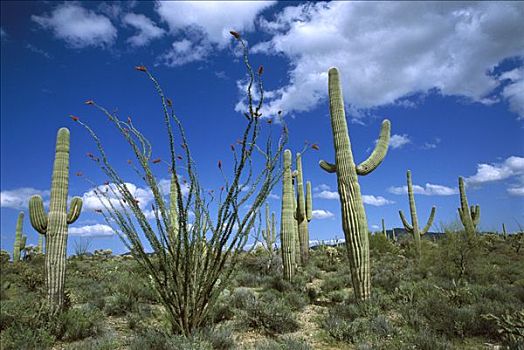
x=147 y=30
x=514 y=91
x=212 y=19
x=273 y=196
x=397 y=141
x=388 y=51
x=91 y=230
x=78 y=26
x=35 y=49
x=427 y=190
x=516 y=191
x=377 y=201
x=321 y=187
x=3 y=34
x=203 y=25
x=19 y=198
x=322 y=214
x=512 y=166
x=431 y=145
x=326 y=195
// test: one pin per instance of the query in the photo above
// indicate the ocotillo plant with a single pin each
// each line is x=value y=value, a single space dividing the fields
x=469 y=216
x=54 y=225
x=303 y=213
x=354 y=221
x=270 y=234
x=20 y=238
x=287 y=220
x=173 y=210
x=414 y=228
x=190 y=270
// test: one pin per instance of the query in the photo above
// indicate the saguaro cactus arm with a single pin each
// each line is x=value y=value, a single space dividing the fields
x=19 y=237
x=37 y=214
x=405 y=222
x=309 y=201
x=430 y=221
x=75 y=208
x=328 y=167
x=469 y=216
x=380 y=151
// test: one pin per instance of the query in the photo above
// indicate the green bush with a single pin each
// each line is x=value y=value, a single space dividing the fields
x=76 y=324
x=271 y=317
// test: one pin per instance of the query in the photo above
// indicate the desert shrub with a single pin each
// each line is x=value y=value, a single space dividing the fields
x=271 y=317
x=335 y=282
x=159 y=340
x=106 y=342
x=4 y=257
x=378 y=243
x=20 y=336
x=285 y=343
x=248 y=279
x=242 y=297
x=220 y=338
x=337 y=296
x=296 y=300
x=426 y=340
x=118 y=305
x=76 y=324
x=279 y=284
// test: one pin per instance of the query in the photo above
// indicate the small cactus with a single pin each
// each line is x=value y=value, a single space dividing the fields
x=287 y=225
x=413 y=228
x=384 y=232
x=20 y=238
x=354 y=221
x=469 y=216
x=504 y=233
x=54 y=225
x=270 y=233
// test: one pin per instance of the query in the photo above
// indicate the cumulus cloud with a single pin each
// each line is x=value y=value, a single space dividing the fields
x=387 y=51
x=19 y=198
x=3 y=34
x=376 y=201
x=326 y=194
x=91 y=230
x=516 y=191
x=514 y=91
x=427 y=190
x=205 y=25
x=35 y=49
x=397 y=141
x=512 y=166
x=322 y=214
x=147 y=30
x=78 y=26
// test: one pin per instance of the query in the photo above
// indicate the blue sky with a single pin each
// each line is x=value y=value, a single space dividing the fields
x=449 y=76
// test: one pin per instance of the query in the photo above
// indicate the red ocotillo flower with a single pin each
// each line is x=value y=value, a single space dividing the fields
x=169 y=102
x=106 y=183
x=89 y=102
x=98 y=211
x=79 y=173
x=129 y=120
x=270 y=121
x=90 y=155
x=236 y=35
x=129 y=161
x=220 y=164
x=232 y=147
x=179 y=157
x=155 y=161
x=74 y=118
x=315 y=147
x=141 y=68
x=260 y=70
x=221 y=188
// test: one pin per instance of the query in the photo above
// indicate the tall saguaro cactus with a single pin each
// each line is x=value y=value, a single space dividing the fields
x=54 y=225
x=20 y=238
x=303 y=212
x=354 y=221
x=414 y=228
x=287 y=225
x=384 y=232
x=470 y=216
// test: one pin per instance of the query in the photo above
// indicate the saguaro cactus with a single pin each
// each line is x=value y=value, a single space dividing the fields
x=354 y=221
x=41 y=244
x=270 y=233
x=54 y=225
x=504 y=232
x=470 y=216
x=287 y=225
x=20 y=238
x=414 y=228
x=384 y=232
x=304 y=211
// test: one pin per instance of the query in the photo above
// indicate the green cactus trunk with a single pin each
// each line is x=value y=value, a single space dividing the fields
x=414 y=228
x=296 y=238
x=54 y=225
x=384 y=232
x=20 y=238
x=287 y=225
x=303 y=212
x=354 y=221
x=504 y=233
x=41 y=244
x=469 y=216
